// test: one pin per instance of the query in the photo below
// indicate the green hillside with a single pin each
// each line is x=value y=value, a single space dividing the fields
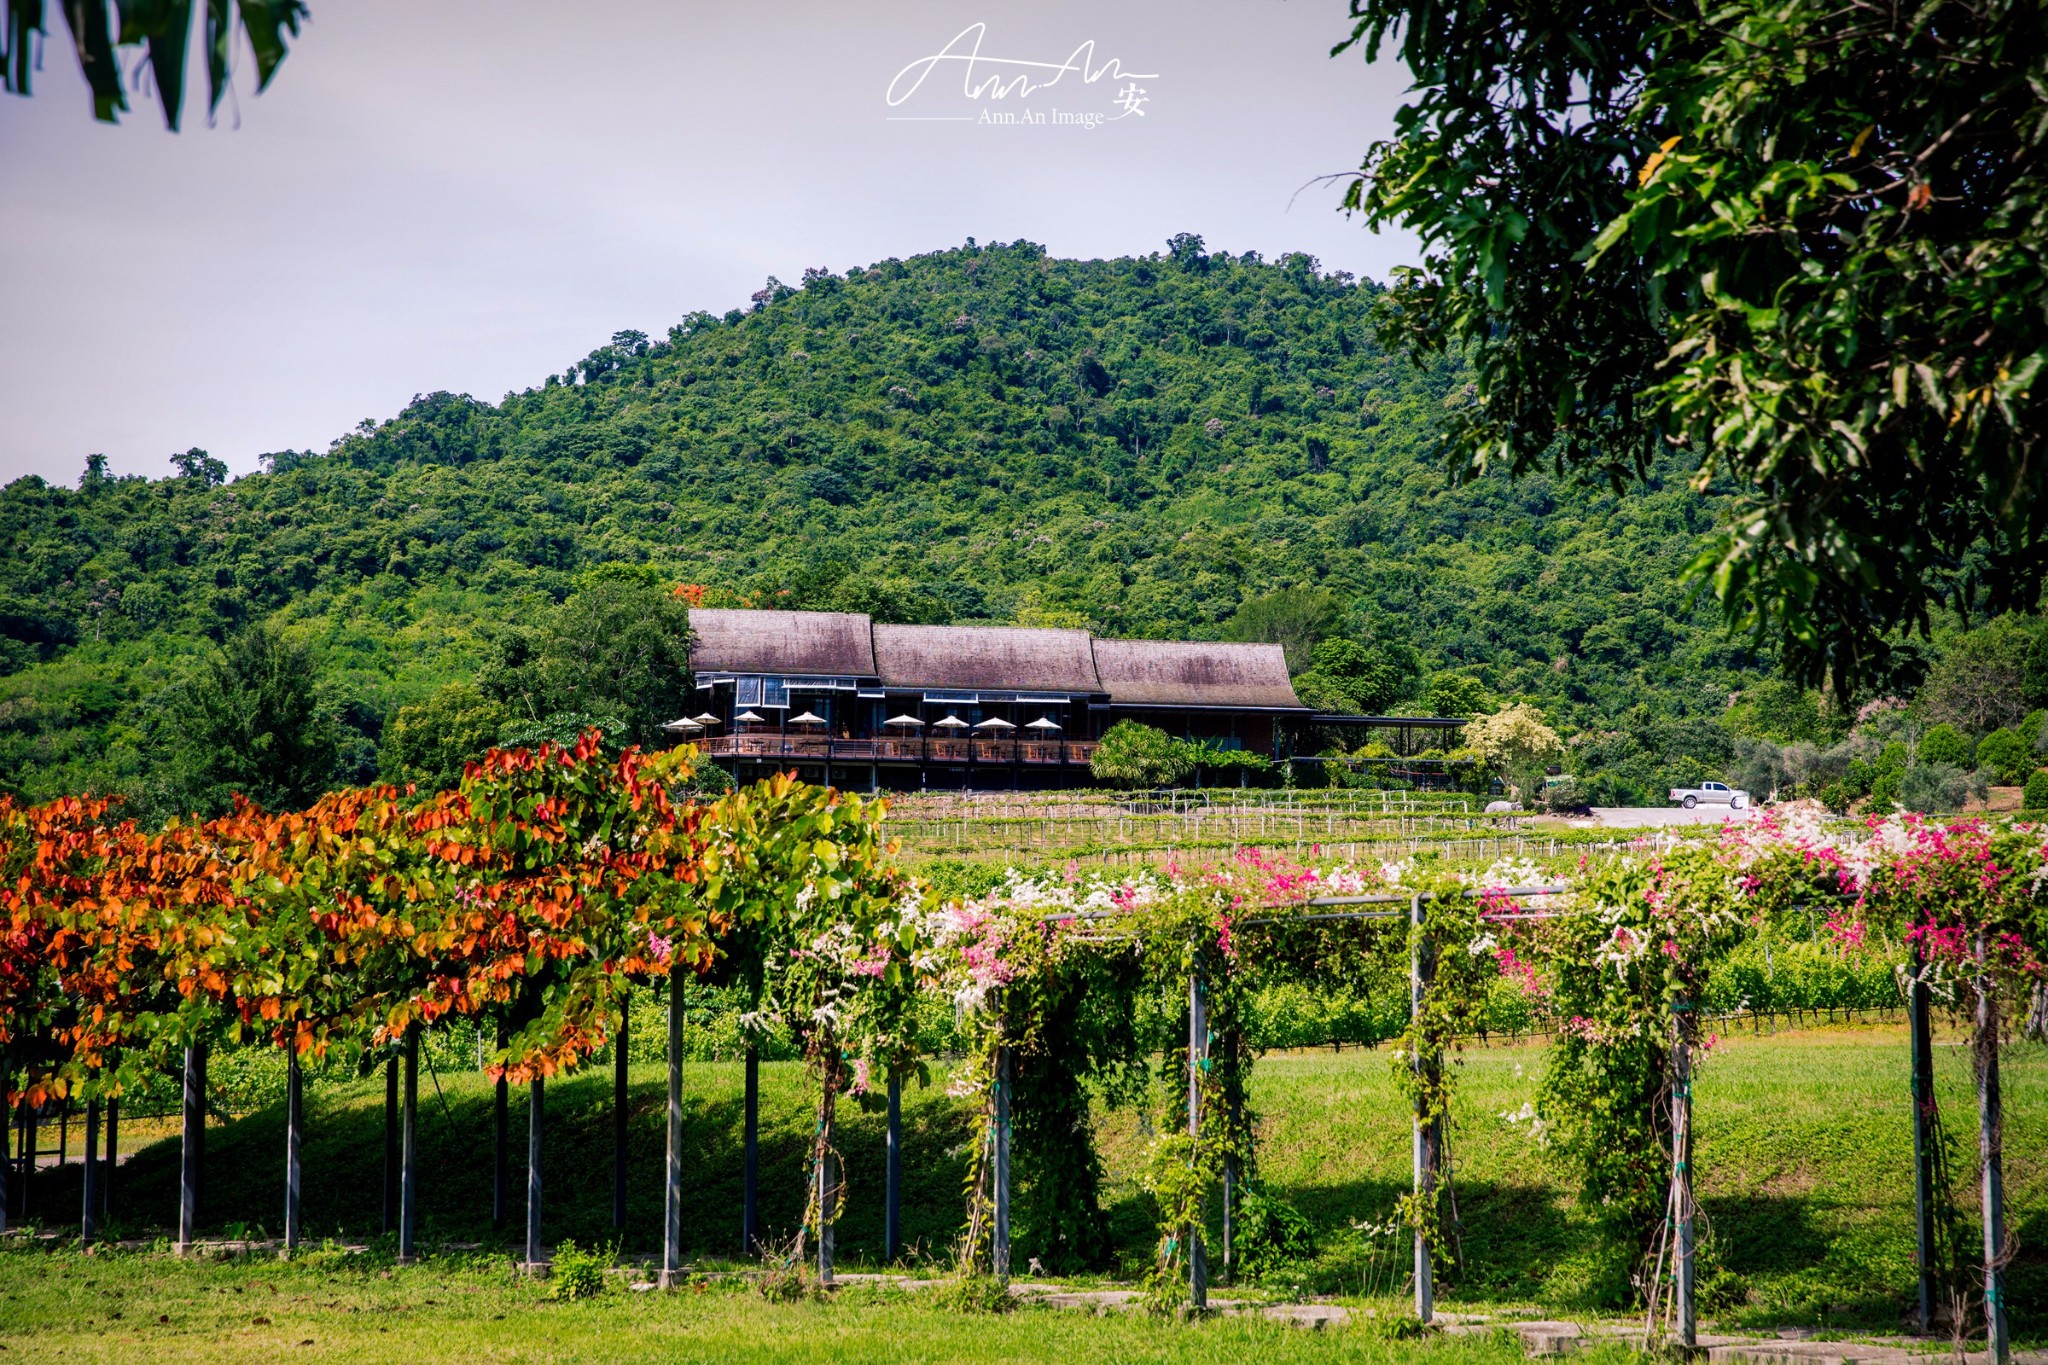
x=980 y=434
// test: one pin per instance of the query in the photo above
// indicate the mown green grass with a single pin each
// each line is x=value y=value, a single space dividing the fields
x=1805 y=1158
x=1805 y=1174
x=127 y=1308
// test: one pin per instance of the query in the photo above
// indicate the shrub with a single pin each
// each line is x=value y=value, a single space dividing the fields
x=2036 y=795
x=974 y=1293
x=1930 y=787
x=577 y=1273
x=1884 y=790
x=1946 y=746
x=1271 y=1233
x=2006 y=754
x=1140 y=756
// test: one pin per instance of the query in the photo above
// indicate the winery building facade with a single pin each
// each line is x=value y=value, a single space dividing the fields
x=843 y=699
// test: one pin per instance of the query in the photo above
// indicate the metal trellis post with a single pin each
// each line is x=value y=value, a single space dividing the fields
x=501 y=1144
x=672 y=1175
x=88 y=1218
x=999 y=1240
x=1198 y=1055
x=537 y=1096
x=409 y=1168
x=827 y=1192
x=194 y=1135
x=294 y=1135
x=892 y=1176
x=1681 y=1176
x=113 y=1160
x=1420 y=967
x=750 y=1172
x=619 y=1122
x=1923 y=1137
x=1990 y=1152
x=390 y=1144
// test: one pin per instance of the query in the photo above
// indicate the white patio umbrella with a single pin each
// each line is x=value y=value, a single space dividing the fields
x=950 y=723
x=1043 y=724
x=903 y=720
x=807 y=718
x=684 y=726
x=705 y=718
x=749 y=718
x=995 y=723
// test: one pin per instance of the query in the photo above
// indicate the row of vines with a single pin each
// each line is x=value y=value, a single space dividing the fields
x=534 y=900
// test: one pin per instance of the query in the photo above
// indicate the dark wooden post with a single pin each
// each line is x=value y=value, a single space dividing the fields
x=409 y=1168
x=672 y=1175
x=750 y=1169
x=1198 y=1053
x=7 y=1134
x=999 y=1240
x=1923 y=1136
x=390 y=1145
x=191 y=1149
x=827 y=1187
x=537 y=1093
x=619 y=1122
x=892 y=1174
x=113 y=1160
x=30 y=1138
x=25 y=1161
x=501 y=1120
x=1421 y=968
x=1681 y=1176
x=294 y=1139
x=88 y=1217
x=205 y=1056
x=1991 y=1154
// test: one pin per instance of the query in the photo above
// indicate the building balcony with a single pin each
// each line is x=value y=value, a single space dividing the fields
x=821 y=748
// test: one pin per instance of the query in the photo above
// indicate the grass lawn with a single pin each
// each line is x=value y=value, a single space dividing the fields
x=129 y=1308
x=1805 y=1159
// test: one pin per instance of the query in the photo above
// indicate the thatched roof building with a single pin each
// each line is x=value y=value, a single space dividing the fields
x=963 y=705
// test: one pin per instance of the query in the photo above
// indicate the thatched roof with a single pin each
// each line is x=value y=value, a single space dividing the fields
x=991 y=659
x=995 y=658
x=1180 y=673
x=814 y=643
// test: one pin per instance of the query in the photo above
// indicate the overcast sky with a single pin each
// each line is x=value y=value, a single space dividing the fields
x=469 y=194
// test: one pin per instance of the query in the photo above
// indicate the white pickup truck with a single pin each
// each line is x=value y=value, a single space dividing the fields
x=1710 y=794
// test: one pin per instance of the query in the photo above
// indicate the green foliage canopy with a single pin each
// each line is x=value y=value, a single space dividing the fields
x=253 y=722
x=1800 y=239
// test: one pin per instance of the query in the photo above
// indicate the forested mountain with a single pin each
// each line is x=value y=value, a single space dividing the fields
x=981 y=434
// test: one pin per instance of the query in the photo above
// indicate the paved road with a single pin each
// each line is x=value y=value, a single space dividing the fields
x=1651 y=817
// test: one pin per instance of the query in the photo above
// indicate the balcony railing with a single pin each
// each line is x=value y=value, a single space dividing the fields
x=995 y=752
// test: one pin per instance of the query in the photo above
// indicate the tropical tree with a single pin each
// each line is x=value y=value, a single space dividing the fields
x=1137 y=755
x=1794 y=243
x=1517 y=743
x=427 y=744
x=252 y=723
x=618 y=647
x=163 y=28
